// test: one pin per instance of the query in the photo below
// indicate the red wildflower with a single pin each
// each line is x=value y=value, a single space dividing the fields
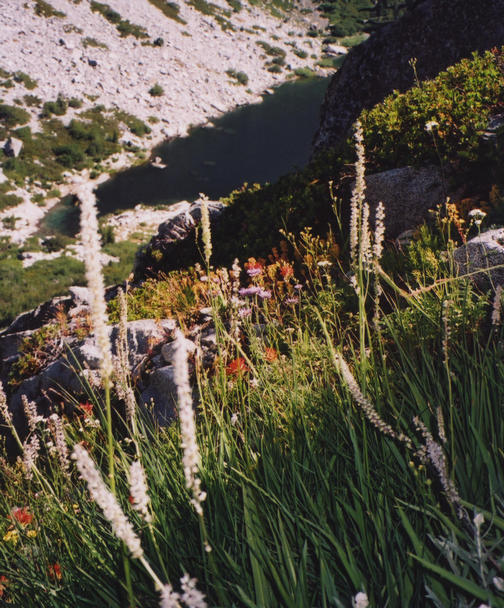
x=237 y=367
x=286 y=271
x=270 y=354
x=87 y=408
x=21 y=515
x=55 y=571
x=3 y=584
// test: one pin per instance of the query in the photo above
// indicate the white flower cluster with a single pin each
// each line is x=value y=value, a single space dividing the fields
x=358 y=193
x=107 y=502
x=91 y=242
x=190 y=596
x=191 y=456
x=360 y=600
x=56 y=426
x=4 y=408
x=205 y=229
x=138 y=490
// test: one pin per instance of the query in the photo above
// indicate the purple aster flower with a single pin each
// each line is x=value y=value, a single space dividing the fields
x=264 y=294
x=245 y=312
x=293 y=300
x=253 y=272
x=249 y=291
x=298 y=286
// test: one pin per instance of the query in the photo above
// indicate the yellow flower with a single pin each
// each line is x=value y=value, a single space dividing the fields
x=31 y=533
x=12 y=536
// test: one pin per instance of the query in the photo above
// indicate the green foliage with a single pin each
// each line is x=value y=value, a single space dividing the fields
x=240 y=77
x=156 y=90
x=35 y=352
x=305 y=73
x=44 y=9
x=32 y=101
x=134 y=124
x=25 y=288
x=75 y=103
x=10 y=116
x=212 y=10
x=123 y=26
x=28 y=82
x=58 y=107
x=300 y=53
x=169 y=9
x=92 y=42
x=273 y=51
x=459 y=100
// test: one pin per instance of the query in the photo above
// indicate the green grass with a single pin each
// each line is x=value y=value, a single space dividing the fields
x=44 y=9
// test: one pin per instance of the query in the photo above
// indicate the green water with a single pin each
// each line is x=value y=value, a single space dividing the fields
x=255 y=143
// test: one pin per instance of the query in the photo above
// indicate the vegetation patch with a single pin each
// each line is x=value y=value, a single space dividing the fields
x=44 y=9
x=26 y=80
x=93 y=43
x=123 y=26
x=240 y=77
x=212 y=10
x=169 y=9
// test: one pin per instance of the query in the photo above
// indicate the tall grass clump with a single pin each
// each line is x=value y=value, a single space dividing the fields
x=342 y=447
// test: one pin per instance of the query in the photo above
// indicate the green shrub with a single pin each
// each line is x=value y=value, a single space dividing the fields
x=134 y=124
x=459 y=100
x=10 y=116
x=123 y=26
x=240 y=77
x=92 y=42
x=28 y=82
x=44 y=9
x=32 y=101
x=274 y=69
x=273 y=51
x=69 y=155
x=75 y=103
x=169 y=9
x=156 y=90
x=300 y=53
x=58 y=108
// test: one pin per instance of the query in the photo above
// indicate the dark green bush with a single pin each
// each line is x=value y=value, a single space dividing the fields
x=169 y=9
x=58 y=108
x=44 y=9
x=28 y=82
x=460 y=100
x=69 y=155
x=240 y=77
x=32 y=101
x=10 y=116
x=156 y=90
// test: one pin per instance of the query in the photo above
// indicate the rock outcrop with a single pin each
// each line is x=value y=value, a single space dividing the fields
x=174 y=231
x=437 y=33
x=484 y=256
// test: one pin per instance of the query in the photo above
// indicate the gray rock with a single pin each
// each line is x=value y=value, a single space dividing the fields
x=484 y=252
x=407 y=193
x=335 y=50
x=161 y=395
x=168 y=350
x=79 y=295
x=33 y=319
x=13 y=147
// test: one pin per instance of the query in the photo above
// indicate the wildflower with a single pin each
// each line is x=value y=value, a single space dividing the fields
x=358 y=193
x=191 y=596
x=21 y=515
x=360 y=600
x=254 y=268
x=94 y=276
x=496 y=306
x=430 y=125
x=237 y=367
x=479 y=520
x=365 y=240
x=56 y=427
x=433 y=452
x=31 y=449
x=3 y=584
x=298 y=286
x=30 y=410
x=477 y=216
x=244 y=312
x=270 y=354
x=292 y=300
x=234 y=419
x=55 y=571
x=286 y=271
x=87 y=408
x=498 y=583
x=264 y=294
x=12 y=536
x=366 y=405
x=205 y=229
x=107 y=502
x=249 y=291
x=379 y=231
x=138 y=490
x=191 y=456
x=4 y=408
x=31 y=533
x=169 y=598
x=324 y=263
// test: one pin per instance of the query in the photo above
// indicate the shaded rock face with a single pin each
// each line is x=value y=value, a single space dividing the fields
x=438 y=33
x=173 y=232
x=484 y=252
x=407 y=194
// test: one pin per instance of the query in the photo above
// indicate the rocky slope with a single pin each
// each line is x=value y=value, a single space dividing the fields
x=436 y=33
x=78 y=53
